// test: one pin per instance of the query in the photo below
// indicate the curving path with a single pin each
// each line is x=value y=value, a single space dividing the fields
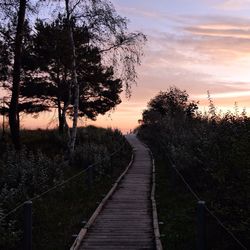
x=126 y=221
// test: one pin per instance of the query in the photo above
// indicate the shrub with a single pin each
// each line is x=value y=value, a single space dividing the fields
x=212 y=152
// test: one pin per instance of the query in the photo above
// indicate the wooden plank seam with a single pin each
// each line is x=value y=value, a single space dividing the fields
x=90 y=222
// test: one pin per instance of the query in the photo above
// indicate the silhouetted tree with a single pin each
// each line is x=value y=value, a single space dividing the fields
x=16 y=74
x=172 y=103
x=104 y=36
x=109 y=33
x=46 y=84
x=12 y=33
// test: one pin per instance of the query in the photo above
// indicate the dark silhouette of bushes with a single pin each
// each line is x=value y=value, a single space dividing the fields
x=210 y=150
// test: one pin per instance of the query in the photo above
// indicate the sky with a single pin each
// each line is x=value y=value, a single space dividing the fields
x=195 y=45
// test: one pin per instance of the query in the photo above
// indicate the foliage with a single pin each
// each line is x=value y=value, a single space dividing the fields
x=46 y=72
x=77 y=63
x=173 y=103
x=40 y=165
x=109 y=32
x=176 y=210
x=23 y=175
x=212 y=152
x=46 y=81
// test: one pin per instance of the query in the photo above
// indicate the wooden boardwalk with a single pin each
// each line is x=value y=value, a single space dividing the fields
x=126 y=220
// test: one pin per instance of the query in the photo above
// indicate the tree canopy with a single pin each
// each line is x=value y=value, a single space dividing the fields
x=172 y=104
x=78 y=62
x=46 y=86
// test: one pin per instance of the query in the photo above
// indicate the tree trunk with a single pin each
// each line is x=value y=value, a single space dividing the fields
x=66 y=127
x=3 y=122
x=14 y=112
x=74 y=81
x=60 y=118
x=59 y=107
x=63 y=125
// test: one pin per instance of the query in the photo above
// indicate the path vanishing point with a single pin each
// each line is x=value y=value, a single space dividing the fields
x=126 y=220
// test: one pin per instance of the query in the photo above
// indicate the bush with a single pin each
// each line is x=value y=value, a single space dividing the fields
x=24 y=175
x=212 y=152
x=40 y=165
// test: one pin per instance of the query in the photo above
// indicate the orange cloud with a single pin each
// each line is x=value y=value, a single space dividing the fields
x=220 y=31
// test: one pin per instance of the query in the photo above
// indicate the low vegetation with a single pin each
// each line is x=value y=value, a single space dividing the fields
x=41 y=165
x=211 y=151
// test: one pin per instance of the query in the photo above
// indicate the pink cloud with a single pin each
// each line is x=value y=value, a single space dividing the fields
x=233 y=5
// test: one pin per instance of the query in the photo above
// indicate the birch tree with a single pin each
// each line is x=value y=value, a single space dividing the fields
x=74 y=81
x=109 y=32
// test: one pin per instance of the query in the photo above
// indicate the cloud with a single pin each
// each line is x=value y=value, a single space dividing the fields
x=202 y=38
x=140 y=12
x=220 y=31
x=196 y=52
x=234 y=5
x=230 y=95
x=209 y=55
x=150 y=15
x=199 y=48
x=220 y=38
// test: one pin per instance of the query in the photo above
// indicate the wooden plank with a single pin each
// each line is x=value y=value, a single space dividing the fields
x=126 y=220
x=83 y=231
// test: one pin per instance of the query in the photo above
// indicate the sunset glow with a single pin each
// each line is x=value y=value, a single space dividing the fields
x=196 y=45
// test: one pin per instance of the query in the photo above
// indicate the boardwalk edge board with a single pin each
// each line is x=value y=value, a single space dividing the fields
x=155 y=215
x=158 y=243
x=84 y=230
